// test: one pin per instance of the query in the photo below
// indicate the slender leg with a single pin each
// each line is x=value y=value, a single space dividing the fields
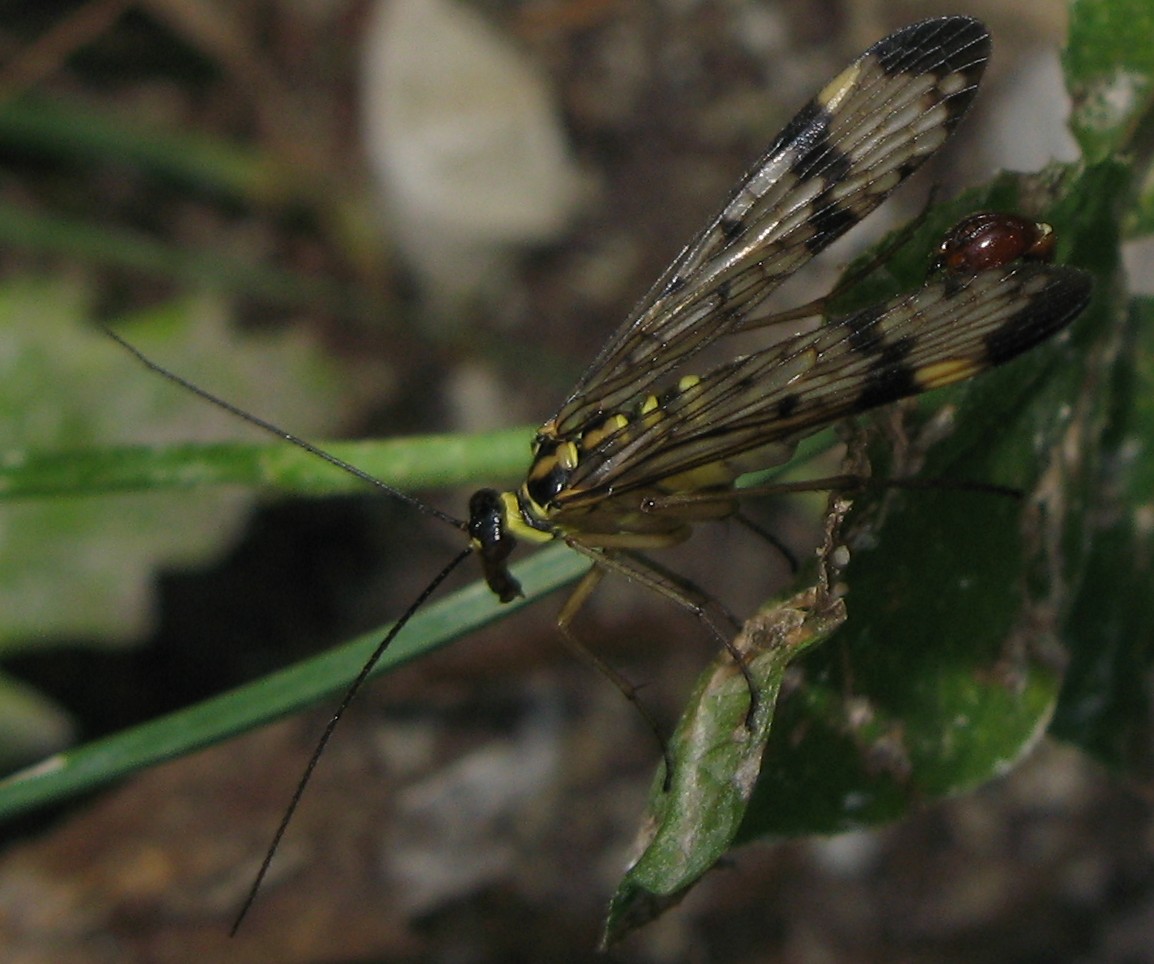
x=642 y=570
x=783 y=550
x=573 y=604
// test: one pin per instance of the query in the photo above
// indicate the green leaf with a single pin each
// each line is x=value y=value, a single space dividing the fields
x=1110 y=69
x=950 y=664
x=81 y=567
x=33 y=726
x=717 y=752
x=1106 y=705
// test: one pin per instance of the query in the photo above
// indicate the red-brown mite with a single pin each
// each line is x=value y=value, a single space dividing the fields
x=991 y=240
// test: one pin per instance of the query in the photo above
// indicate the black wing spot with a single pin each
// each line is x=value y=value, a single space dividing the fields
x=886 y=384
x=864 y=334
x=822 y=159
x=895 y=353
x=829 y=222
x=940 y=46
x=808 y=127
x=1050 y=311
x=731 y=228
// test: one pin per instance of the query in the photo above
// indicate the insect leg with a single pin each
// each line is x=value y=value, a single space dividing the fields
x=687 y=588
x=856 y=483
x=646 y=572
x=573 y=604
x=758 y=530
x=832 y=483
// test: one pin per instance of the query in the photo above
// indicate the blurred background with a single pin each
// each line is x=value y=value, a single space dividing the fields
x=374 y=219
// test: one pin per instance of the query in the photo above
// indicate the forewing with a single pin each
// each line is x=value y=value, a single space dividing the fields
x=832 y=165
x=949 y=330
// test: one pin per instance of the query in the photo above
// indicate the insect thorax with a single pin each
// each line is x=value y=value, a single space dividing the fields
x=570 y=489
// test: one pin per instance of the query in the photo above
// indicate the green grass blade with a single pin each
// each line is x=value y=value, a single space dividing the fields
x=406 y=463
x=98 y=763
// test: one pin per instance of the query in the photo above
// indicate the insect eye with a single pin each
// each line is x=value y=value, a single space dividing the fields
x=493 y=542
x=486 y=517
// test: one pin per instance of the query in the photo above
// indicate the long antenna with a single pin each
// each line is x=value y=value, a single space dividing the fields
x=385 y=642
x=319 y=749
x=280 y=432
